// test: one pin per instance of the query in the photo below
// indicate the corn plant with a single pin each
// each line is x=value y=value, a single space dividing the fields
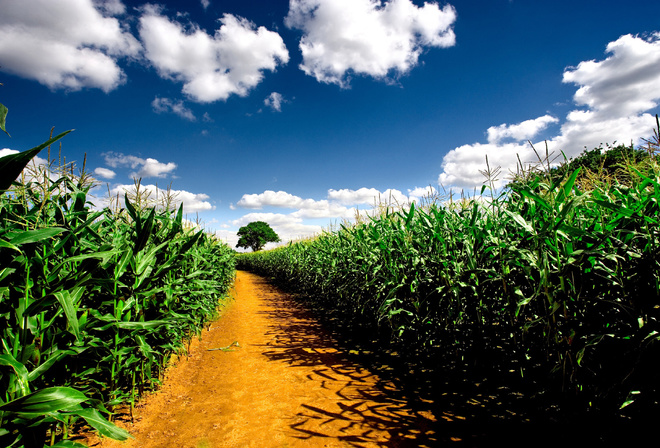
x=549 y=279
x=92 y=302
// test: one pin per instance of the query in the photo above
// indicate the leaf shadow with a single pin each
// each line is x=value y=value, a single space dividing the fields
x=382 y=397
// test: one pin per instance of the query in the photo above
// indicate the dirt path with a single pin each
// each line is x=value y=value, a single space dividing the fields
x=286 y=385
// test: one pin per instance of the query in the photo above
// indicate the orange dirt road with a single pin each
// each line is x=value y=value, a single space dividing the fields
x=285 y=385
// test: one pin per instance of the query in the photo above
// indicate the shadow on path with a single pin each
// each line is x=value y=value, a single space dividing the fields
x=351 y=404
x=416 y=403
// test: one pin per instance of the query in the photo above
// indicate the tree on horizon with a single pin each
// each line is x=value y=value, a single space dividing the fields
x=255 y=235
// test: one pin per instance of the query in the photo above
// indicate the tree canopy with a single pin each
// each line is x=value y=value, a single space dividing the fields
x=255 y=235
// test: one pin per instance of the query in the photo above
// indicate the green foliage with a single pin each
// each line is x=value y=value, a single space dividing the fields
x=12 y=165
x=93 y=303
x=612 y=164
x=255 y=235
x=3 y=117
x=554 y=282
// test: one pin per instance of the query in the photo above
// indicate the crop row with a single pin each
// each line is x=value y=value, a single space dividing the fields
x=93 y=303
x=556 y=283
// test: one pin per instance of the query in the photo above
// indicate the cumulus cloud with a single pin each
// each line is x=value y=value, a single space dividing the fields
x=588 y=129
x=115 y=160
x=306 y=208
x=154 y=168
x=419 y=193
x=192 y=202
x=521 y=131
x=211 y=68
x=161 y=105
x=360 y=196
x=274 y=219
x=144 y=167
x=270 y=198
x=625 y=83
x=274 y=101
x=367 y=37
x=227 y=236
x=368 y=196
x=68 y=44
x=617 y=93
x=110 y=7
x=340 y=204
x=325 y=209
x=104 y=173
x=462 y=166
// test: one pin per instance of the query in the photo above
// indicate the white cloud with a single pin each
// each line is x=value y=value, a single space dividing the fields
x=421 y=193
x=617 y=91
x=280 y=199
x=274 y=101
x=306 y=208
x=192 y=202
x=588 y=129
x=206 y=3
x=105 y=173
x=227 y=236
x=270 y=198
x=161 y=105
x=461 y=166
x=625 y=83
x=325 y=209
x=340 y=204
x=521 y=131
x=154 y=168
x=368 y=196
x=211 y=68
x=273 y=219
x=110 y=7
x=68 y=44
x=367 y=37
x=145 y=167
x=349 y=197
x=115 y=160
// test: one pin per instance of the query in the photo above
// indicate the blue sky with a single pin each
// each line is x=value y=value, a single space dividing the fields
x=300 y=112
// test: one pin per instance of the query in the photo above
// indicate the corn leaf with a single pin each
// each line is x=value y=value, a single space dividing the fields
x=520 y=221
x=8 y=245
x=143 y=325
x=103 y=426
x=44 y=401
x=3 y=117
x=52 y=359
x=68 y=302
x=34 y=236
x=21 y=372
x=12 y=165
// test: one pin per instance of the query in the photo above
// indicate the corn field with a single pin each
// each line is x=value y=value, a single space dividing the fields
x=93 y=303
x=555 y=282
